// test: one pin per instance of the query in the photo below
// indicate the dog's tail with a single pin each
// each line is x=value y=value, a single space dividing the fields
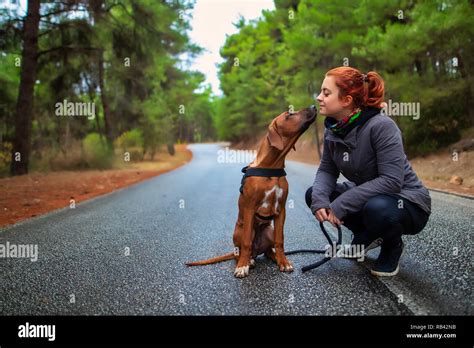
x=216 y=259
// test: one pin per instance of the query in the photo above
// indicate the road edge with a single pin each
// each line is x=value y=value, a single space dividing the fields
x=93 y=199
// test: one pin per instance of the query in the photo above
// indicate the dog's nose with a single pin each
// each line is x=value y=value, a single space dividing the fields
x=312 y=107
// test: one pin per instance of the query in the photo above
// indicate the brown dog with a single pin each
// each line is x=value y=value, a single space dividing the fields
x=264 y=198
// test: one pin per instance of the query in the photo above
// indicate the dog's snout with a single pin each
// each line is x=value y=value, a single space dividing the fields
x=311 y=111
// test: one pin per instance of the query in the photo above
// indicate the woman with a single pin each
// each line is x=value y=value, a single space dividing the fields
x=383 y=198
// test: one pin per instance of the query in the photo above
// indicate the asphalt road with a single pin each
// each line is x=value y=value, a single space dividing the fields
x=124 y=253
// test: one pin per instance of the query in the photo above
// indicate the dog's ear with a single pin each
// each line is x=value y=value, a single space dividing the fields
x=274 y=138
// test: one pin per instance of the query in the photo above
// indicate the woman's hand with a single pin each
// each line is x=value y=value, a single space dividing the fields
x=333 y=219
x=321 y=215
x=326 y=214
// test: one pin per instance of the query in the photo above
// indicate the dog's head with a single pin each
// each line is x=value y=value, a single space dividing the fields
x=287 y=127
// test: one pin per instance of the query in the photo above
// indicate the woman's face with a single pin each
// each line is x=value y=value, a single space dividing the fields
x=329 y=102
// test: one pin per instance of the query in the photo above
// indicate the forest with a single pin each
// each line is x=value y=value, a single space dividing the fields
x=82 y=82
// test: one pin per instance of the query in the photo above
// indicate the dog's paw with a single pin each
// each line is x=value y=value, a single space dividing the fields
x=252 y=263
x=241 y=272
x=286 y=267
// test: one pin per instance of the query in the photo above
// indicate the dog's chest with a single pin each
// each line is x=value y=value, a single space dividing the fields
x=271 y=200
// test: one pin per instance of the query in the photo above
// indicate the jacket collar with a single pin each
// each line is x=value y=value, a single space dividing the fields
x=350 y=139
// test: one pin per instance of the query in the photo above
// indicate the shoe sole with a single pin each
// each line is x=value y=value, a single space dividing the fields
x=385 y=274
x=375 y=244
x=389 y=274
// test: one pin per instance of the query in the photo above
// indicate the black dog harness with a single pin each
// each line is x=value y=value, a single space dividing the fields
x=265 y=172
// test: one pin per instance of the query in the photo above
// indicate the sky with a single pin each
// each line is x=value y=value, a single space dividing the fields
x=212 y=20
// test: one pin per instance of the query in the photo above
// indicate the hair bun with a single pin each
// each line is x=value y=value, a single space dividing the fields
x=349 y=82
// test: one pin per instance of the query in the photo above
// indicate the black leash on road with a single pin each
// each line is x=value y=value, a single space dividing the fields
x=314 y=251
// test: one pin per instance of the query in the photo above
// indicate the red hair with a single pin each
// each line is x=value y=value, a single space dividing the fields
x=351 y=82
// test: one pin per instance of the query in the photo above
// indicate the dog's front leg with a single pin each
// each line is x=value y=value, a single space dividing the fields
x=281 y=260
x=248 y=234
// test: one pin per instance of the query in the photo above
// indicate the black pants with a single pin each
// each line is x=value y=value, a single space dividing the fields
x=383 y=216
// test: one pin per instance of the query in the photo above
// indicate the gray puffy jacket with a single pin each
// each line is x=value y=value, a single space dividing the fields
x=372 y=158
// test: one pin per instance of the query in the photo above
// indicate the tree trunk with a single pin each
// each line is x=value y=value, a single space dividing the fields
x=91 y=91
x=24 y=106
x=109 y=134
x=96 y=7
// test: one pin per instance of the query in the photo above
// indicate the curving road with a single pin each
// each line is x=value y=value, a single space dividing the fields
x=123 y=253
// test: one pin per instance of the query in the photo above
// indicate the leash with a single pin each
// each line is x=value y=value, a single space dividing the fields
x=265 y=172
x=313 y=251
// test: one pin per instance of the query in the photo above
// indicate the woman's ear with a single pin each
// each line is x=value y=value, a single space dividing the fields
x=274 y=138
x=346 y=101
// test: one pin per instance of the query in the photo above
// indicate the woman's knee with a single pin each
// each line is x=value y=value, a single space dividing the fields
x=382 y=210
